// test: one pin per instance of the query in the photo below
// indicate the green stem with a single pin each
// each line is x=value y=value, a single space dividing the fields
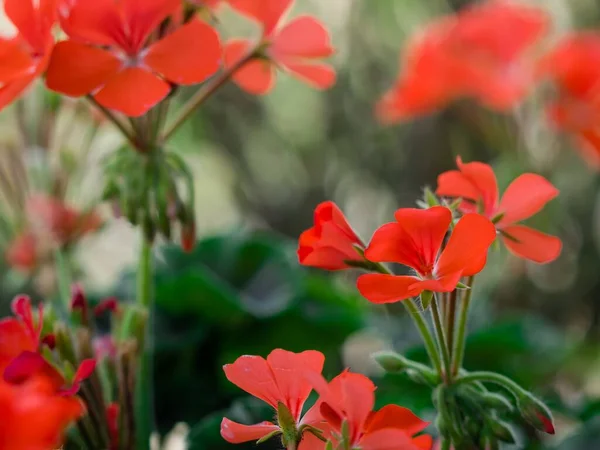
x=441 y=338
x=63 y=279
x=451 y=320
x=204 y=93
x=495 y=378
x=446 y=444
x=420 y=323
x=143 y=397
x=116 y=121
x=459 y=350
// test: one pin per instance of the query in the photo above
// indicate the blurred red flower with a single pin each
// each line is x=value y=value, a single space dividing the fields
x=483 y=52
x=476 y=183
x=331 y=242
x=34 y=415
x=350 y=398
x=25 y=56
x=107 y=54
x=276 y=380
x=22 y=252
x=296 y=47
x=415 y=240
x=574 y=67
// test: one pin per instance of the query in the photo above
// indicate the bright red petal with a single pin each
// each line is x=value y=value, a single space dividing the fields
x=470 y=240
x=189 y=55
x=133 y=92
x=311 y=442
x=266 y=12
x=255 y=77
x=97 y=22
x=15 y=62
x=288 y=369
x=445 y=283
x=483 y=178
x=85 y=370
x=303 y=37
x=387 y=439
x=33 y=20
x=532 y=244
x=236 y=433
x=358 y=398
x=423 y=442
x=394 y=416
x=525 y=196
x=142 y=17
x=254 y=375
x=14 y=340
x=380 y=288
x=77 y=69
x=14 y=89
x=455 y=184
x=414 y=241
x=319 y=76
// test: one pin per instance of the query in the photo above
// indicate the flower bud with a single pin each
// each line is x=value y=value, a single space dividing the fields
x=394 y=363
x=501 y=430
x=535 y=413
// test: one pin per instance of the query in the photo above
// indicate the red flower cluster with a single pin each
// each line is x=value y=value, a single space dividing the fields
x=344 y=411
x=33 y=394
x=427 y=241
x=483 y=52
x=50 y=223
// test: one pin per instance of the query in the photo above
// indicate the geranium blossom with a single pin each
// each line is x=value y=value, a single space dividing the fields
x=277 y=380
x=24 y=57
x=524 y=197
x=108 y=56
x=296 y=47
x=415 y=240
x=350 y=398
x=483 y=52
x=330 y=243
x=574 y=67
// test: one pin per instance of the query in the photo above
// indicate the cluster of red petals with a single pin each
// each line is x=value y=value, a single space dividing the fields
x=574 y=67
x=24 y=56
x=350 y=398
x=483 y=52
x=331 y=243
x=49 y=220
x=297 y=47
x=476 y=183
x=111 y=53
x=415 y=240
x=277 y=379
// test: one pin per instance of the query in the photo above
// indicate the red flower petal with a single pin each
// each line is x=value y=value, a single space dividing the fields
x=28 y=365
x=255 y=77
x=253 y=374
x=525 y=196
x=14 y=340
x=142 y=17
x=189 y=55
x=320 y=76
x=77 y=69
x=303 y=37
x=423 y=442
x=267 y=12
x=387 y=439
x=15 y=62
x=445 y=283
x=532 y=244
x=133 y=92
x=394 y=416
x=482 y=176
x=85 y=370
x=236 y=433
x=34 y=21
x=469 y=242
x=455 y=184
x=380 y=288
x=288 y=369
x=14 y=89
x=326 y=258
x=98 y=22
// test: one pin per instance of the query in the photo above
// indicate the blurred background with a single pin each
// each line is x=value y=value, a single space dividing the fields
x=261 y=166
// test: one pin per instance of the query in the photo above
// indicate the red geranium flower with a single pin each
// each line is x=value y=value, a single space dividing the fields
x=278 y=380
x=296 y=47
x=108 y=54
x=349 y=398
x=34 y=416
x=415 y=240
x=482 y=52
x=25 y=56
x=526 y=195
x=574 y=66
x=330 y=243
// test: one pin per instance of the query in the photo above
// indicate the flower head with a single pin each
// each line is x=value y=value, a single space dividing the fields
x=330 y=243
x=482 y=52
x=25 y=56
x=296 y=47
x=476 y=183
x=415 y=240
x=574 y=67
x=278 y=381
x=346 y=404
x=108 y=54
